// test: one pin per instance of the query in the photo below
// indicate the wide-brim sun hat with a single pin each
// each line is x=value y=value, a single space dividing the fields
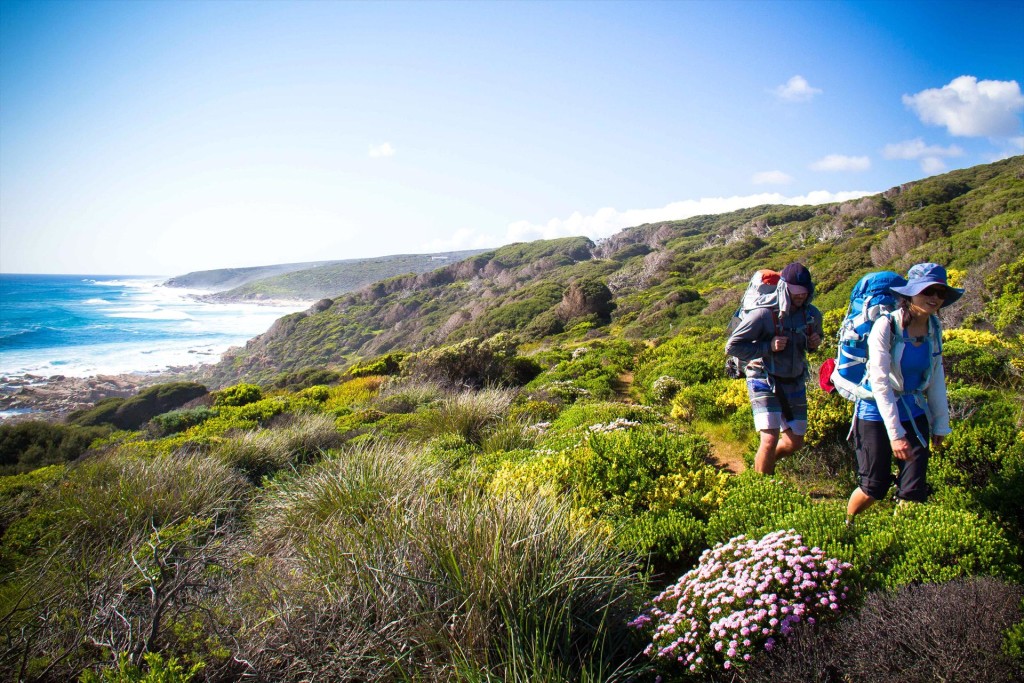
x=924 y=275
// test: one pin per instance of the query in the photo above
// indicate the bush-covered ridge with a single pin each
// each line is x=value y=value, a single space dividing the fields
x=659 y=278
x=309 y=281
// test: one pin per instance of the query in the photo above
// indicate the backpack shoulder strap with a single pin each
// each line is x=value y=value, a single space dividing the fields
x=936 y=324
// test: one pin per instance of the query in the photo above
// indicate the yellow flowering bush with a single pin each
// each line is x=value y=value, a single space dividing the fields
x=354 y=392
x=701 y=490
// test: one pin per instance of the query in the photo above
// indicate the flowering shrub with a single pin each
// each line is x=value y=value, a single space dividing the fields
x=714 y=401
x=617 y=425
x=665 y=387
x=740 y=598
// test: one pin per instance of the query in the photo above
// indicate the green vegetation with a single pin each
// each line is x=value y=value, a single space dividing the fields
x=484 y=473
x=132 y=413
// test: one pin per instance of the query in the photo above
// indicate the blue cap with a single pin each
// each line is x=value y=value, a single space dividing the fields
x=924 y=275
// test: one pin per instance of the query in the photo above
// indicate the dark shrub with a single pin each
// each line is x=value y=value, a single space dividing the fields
x=472 y=363
x=28 y=445
x=934 y=632
x=179 y=420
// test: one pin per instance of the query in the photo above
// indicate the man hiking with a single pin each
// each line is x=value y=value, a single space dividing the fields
x=774 y=340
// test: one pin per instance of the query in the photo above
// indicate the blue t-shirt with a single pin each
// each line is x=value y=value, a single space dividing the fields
x=914 y=365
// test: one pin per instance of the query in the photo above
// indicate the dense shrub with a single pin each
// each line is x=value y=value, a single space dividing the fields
x=27 y=445
x=670 y=538
x=692 y=357
x=753 y=505
x=179 y=420
x=584 y=414
x=473 y=363
x=983 y=462
x=589 y=371
x=828 y=419
x=1006 y=307
x=665 y=388
x=623 y=469
x=353 y=393
x=714 y=401
x=921 y=633
x=388 y=364
x=238 y=395
x=975 y=357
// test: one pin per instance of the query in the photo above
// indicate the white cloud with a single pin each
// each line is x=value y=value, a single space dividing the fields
x=930 y=155
x=771 y=178
x=608 y=221
x=796 y=89
x=383 y=150
x=840 y=162
x=916 y=149
x=1012 y=148
x=971 y=108
x=932 y=165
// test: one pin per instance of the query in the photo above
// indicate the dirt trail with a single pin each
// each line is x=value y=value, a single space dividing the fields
x=727 y=454
x=623 y=384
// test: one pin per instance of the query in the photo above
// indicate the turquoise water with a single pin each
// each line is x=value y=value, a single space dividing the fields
x=82 y=325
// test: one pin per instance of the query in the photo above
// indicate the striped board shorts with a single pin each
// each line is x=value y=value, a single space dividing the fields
x=768 y=413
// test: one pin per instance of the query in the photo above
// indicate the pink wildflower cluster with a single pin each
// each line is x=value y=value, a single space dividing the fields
x=741 y=597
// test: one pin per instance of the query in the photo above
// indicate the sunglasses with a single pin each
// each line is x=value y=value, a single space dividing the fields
x=938 y=291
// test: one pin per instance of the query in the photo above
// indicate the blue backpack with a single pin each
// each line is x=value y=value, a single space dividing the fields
x=869 y=300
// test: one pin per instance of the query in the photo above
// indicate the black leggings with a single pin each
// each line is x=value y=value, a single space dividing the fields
x=874 y=460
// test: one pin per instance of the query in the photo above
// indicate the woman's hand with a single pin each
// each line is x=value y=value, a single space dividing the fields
x=779 y=343
x=901 y=449
x=813 y=341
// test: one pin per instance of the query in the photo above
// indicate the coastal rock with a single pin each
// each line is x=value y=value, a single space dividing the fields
x=30 y=397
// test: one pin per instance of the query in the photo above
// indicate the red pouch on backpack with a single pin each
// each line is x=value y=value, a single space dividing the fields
x=825 y=376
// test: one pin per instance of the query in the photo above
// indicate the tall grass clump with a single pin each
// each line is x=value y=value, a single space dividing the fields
x=262 y=452
x=372 y=575
x=407 y=396
x=471 y=414
x=113 y=562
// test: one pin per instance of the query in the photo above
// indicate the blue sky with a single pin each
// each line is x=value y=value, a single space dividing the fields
x=164 y=137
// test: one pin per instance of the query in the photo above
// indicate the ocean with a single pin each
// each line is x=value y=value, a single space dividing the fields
x=86 y=325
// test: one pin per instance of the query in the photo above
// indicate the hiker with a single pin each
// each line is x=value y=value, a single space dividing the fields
x=775 y=344
x=908 y=388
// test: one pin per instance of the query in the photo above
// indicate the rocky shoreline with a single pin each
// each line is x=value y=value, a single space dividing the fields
x=32 y=397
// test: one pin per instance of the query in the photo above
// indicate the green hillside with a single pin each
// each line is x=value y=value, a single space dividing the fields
x=528 y=466
x=226 y=278
x=333 y=278
x=309 y=281
x=661 y=277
